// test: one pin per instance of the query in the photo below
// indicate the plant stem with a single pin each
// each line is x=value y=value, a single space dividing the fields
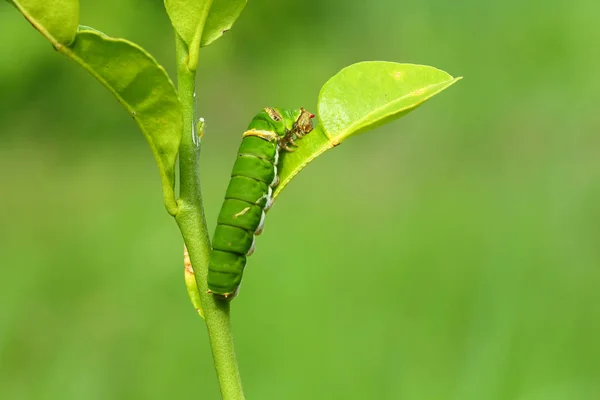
x=192 y=223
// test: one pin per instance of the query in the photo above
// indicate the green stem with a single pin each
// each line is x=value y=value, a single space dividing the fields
x=192 y=223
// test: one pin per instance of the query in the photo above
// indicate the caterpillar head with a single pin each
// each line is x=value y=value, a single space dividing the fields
x=285 y=121
x=304 y=123
x=298 y=120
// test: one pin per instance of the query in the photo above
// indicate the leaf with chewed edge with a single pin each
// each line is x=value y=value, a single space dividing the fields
x=361 y=97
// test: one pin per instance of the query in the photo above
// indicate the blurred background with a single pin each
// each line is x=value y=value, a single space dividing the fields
x=476 y=217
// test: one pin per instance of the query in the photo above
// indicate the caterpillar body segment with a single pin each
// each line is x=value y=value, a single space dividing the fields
x=249 y=194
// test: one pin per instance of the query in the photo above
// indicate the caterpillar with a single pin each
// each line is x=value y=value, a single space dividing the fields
x=249 y=194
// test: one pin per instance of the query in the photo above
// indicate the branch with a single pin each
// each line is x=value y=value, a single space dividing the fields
x=192 y=223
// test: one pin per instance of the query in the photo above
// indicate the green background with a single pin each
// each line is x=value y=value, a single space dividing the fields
x=453 y=254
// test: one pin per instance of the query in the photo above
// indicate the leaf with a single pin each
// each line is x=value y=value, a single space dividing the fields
x=190 y=283
x=188 y=18
x=143 y=87
x=359 y=98
x=223 y=14
x=57 y=20
x=201 y=22
x=140 y=84
x=368 y=94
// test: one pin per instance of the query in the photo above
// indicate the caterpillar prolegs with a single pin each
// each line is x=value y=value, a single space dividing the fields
x=249 y=194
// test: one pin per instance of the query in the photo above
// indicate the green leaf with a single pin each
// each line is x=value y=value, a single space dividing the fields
x=57 y=20
x=223 y=14
x=201 y=22
x=359 y=98
x=129 y=72
x=369 y=94
x=188 y=18
x=191 y=284
x=143 y=87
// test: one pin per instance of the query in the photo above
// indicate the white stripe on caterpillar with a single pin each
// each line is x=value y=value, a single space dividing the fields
x=261 y=225
x=266 y=196
x=269 y=204
x=275 y=178
x=252 y=247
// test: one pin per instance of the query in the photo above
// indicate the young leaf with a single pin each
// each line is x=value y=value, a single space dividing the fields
x=57 y=20
x=201 y=22
x=223 y=14
x=359 y=98
x=188 y=17
x=143 y=87
x=190 y=283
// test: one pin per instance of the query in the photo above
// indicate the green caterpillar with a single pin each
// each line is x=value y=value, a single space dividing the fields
x=249 y=194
